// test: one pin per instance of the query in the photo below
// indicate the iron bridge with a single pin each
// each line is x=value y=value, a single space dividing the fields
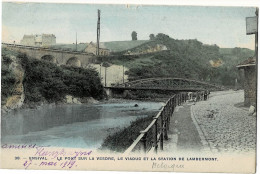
x=167 y=84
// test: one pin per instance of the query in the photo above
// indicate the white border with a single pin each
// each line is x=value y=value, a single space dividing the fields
x=235 y=3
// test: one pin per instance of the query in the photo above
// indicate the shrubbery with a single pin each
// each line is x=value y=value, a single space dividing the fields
x=46 y=81
x=122 y=139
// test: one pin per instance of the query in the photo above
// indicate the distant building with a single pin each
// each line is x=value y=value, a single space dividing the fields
x=249 y=67
x=39 y=40
x=92 y=47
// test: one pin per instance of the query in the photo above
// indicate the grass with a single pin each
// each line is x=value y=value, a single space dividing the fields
x=118 y=46
x=122 y=139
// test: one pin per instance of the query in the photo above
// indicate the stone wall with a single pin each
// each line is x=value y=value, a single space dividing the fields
x=59 y=57
x=250 y=85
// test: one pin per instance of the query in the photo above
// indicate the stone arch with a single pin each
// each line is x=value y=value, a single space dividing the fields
x=73 y=61
x=49 y=58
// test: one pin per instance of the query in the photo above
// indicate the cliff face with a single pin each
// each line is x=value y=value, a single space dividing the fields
x=16 y=99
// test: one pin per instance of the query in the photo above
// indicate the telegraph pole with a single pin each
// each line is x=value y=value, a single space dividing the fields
x=98 y=33
x=123 y=73
x=76 y=42
x=256 y=36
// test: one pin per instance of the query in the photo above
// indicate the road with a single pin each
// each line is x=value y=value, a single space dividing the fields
x=219 y=124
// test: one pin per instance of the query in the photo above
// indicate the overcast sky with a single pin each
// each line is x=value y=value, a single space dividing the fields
x=224 y=26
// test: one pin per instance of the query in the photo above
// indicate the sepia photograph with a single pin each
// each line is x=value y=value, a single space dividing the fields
x=128 y=87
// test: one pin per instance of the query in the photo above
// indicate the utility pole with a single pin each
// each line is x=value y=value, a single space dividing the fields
x=256 y=36
x=123 y=73
x=76 y=42
x=98 y=33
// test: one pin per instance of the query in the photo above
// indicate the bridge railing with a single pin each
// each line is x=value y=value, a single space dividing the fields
x=156 y=132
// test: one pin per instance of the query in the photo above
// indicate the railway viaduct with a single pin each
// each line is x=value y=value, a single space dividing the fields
x=60 y=57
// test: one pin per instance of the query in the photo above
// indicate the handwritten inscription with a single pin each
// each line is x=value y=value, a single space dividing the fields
x=21 y=146
x=41 y=151
x=163 y=165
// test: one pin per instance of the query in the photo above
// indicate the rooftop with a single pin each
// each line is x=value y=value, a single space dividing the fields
x=251 y=61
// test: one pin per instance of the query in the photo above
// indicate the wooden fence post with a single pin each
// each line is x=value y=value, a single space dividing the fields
x=161 y=134
x=144 y=141
x=165 y=125
x=155 y=136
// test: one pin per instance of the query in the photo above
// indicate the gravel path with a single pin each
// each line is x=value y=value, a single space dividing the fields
x=226 y=127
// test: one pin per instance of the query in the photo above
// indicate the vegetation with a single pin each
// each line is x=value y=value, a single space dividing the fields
x=185 y=59
x=134 y=35
x=122 y=139
x=118 y=46
x=45 y=81
x=151 y=36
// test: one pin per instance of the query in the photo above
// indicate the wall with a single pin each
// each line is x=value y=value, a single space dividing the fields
x=28 y=40
x=250 y=85
x=48 y=39
x=114 y=74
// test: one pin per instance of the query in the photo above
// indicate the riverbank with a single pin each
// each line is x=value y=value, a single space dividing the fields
x=121 y=139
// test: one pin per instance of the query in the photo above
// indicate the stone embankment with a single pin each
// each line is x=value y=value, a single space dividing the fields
x=226 y=127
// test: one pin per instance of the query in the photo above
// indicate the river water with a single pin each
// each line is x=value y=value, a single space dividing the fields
x=81 y=126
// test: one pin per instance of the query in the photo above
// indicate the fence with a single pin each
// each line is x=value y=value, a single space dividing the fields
x=157 y=131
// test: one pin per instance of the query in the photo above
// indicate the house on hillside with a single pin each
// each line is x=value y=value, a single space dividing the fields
x=249 y=67
x=39 y=40
x=92 y=47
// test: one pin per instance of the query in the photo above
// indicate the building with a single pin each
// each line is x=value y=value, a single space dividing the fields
x=39 y=40
x=249 y=67
x=92 y=47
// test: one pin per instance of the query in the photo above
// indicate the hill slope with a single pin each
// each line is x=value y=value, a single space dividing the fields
x=186 y=59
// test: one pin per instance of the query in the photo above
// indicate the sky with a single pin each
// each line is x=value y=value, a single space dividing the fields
x=224 y=26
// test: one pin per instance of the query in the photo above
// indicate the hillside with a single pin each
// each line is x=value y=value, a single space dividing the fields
x=118 y=46
x=183 y=58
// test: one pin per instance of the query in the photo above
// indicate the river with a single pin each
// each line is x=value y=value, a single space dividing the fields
x=79 y=126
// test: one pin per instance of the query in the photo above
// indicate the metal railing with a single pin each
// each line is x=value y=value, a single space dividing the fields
x=157 y=131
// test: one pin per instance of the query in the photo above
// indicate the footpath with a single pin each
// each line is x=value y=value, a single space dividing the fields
x=183 y=134
x=215 y=125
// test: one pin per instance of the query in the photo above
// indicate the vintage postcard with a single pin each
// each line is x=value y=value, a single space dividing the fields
x=128 y=87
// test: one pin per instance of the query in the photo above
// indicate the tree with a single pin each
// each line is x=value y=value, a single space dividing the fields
x=134 y=35
x=152 y=37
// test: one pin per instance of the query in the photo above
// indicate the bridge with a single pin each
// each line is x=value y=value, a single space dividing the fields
x=57 y=56
x=163 y=84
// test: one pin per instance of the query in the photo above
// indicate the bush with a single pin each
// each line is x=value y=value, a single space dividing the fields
x=47 y=81
x=122 y=139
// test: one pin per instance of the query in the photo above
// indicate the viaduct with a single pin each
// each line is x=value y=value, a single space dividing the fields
x=60 y=57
